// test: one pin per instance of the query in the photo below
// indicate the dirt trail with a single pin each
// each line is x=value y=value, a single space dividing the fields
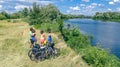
x=14 y=46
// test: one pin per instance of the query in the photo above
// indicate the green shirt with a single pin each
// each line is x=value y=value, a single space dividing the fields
x=30 y=34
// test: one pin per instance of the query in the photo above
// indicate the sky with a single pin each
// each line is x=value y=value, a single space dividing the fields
x=85 y=7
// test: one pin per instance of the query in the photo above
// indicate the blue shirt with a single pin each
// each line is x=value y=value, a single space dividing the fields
x=49 y=39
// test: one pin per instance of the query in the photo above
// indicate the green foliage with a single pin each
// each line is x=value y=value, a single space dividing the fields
x=43 y=14
x=100 y=58
x=20 y=14
x=70 y=16
x=25 y=12
x=107 y=16
x=60 y=23
x=45 y=26
x=8 y=20
x=15 y=16
x=75 y=39
x=5 y=14
x=2 y=17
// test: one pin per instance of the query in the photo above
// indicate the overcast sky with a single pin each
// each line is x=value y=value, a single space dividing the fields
x=86 y=7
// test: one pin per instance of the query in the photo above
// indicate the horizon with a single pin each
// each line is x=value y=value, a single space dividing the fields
x=77 y=7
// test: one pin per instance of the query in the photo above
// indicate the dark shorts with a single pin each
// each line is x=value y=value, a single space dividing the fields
x=34 y=39
x=51 y=44
x=32 y=42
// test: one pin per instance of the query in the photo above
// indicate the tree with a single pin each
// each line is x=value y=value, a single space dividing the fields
x=34 y=11
x=25 y=12
x=111 y=16
x=2 y=17
x=43 y=14
x=5 y=14
x=14 y=16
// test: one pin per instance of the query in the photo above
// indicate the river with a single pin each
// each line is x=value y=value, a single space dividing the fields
x=107 y=34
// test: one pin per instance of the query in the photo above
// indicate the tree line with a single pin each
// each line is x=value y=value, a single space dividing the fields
x=39 y=13
x=107 y=16
x=4 y=15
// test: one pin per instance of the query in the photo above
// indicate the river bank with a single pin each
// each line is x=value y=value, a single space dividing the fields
x=110 y=20
x=94 y=55
x=102 y=32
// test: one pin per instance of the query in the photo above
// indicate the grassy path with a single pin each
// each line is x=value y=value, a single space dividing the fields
x=14 y=46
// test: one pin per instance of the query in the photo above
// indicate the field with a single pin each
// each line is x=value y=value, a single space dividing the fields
x=14 y=46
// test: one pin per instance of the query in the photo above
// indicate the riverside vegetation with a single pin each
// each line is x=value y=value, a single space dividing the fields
x=107 y=16
x=49 y=17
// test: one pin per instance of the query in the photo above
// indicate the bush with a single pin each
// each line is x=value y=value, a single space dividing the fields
x=8 y=20
x=75 y=39
x=98 y=57
x=45 y=26
x=14 y=21
x=2 y=17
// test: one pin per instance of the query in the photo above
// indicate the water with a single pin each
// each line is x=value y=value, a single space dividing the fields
x=105 y=33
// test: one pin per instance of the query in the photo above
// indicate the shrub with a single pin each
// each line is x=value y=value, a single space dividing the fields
x=8 y=20
x=46 y=26
x=98 y=57
x=2 y=17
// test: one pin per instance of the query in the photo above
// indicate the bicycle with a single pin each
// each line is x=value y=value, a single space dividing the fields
x=42 y=53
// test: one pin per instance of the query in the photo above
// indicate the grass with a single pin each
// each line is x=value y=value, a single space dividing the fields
x=14 y=47
x=1 y=26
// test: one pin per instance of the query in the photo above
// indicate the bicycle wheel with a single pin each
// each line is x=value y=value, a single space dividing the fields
x=56 y=52
x=31 y=55
x=49 y=52
x=46 y=54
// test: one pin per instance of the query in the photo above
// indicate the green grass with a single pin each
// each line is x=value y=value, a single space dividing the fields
x=64 y=51
x=1 y=26
x=10 y=45
x=14 y=47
